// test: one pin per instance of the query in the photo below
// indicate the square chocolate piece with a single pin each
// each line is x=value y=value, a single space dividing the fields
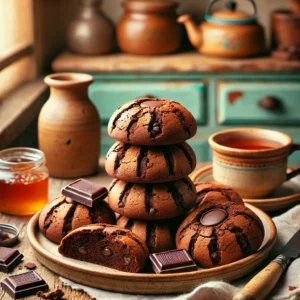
x=23 y=285
x=9 y=258
x=173 y=261
x=85 y=192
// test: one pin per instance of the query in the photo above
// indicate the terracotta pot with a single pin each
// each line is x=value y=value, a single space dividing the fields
x=149 y=27
x=69 y=127
x=91 y=33
x=285 y=29
x=226 y=33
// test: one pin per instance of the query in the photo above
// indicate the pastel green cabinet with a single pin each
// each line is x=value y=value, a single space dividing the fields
x=108 y=96
x=238 y=103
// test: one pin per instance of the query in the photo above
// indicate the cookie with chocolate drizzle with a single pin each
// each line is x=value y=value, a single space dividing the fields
x=156 y=234
x=211 y=191
x=220 y=232
x=146 y=164
x=152 y=122
x=60 y=216
x=152 y=201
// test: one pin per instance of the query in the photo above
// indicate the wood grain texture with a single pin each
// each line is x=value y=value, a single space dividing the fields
x=190 y=62
x=51 y=19
x=13 y=54
x=19 y=109
x=261 y=284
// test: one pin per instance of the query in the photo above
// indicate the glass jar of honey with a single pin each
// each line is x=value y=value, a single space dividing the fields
x=23 y=181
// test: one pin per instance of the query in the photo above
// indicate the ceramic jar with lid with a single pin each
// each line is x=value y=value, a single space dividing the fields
x=91 y=32
x=149 y=27
x=226 y=33
x=69 y=127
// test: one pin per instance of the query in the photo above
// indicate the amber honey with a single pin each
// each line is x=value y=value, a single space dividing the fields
x=23 y=181
x=23 y=199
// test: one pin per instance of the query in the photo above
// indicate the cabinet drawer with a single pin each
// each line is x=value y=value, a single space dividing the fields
x=108 y=96
x=238 y=103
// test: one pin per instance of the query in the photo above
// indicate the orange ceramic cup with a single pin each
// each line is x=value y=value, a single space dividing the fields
x=252 y=161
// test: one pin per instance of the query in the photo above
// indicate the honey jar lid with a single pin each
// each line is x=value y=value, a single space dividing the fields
x=12 y=233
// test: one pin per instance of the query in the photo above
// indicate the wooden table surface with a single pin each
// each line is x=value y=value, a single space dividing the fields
x=55 y=186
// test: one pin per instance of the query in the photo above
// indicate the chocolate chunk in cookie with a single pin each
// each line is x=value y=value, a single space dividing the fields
x=106 y=245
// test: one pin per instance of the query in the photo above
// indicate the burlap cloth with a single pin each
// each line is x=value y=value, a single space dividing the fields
x=287 y=288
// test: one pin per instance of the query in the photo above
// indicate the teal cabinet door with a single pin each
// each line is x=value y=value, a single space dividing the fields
x=238 y=103
x=108 y=96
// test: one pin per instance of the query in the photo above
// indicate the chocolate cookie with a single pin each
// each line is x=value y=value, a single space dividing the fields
x=106 y=245
x=152 y=201
x=150 y=164
x=220 y=232
x=59 y=217
x=210 y=191
x=152 y=122
x=156 y=234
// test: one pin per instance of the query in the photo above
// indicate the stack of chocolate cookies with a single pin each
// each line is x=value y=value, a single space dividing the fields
x=150 y=163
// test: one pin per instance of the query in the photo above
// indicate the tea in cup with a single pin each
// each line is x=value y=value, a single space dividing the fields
x=252 y=161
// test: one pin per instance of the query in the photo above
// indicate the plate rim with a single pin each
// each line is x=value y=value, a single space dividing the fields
x=119 y=275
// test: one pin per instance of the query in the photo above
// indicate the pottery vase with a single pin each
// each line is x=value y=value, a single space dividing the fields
x=91 y=33
x=69 y=127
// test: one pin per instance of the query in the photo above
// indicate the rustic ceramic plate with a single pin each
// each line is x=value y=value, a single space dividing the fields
x=283 y=197
x=113 y=280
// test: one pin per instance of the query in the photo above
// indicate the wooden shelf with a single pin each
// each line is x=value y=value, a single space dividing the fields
x=187 y=62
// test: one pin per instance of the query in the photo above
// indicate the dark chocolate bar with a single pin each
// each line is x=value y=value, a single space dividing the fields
x=173 y=261
x=23 y=285
x=85 y=192
x=9 y=258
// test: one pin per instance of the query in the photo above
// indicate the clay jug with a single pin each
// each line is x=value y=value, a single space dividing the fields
x=69 y=127
x=91 y=33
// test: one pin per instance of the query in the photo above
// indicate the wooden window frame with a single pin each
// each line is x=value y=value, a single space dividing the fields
x=13 y=54
x=22 y=105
